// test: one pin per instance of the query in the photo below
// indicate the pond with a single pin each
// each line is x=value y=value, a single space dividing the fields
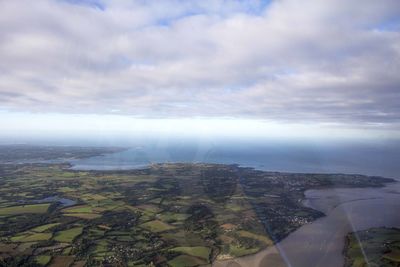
x=65 y=202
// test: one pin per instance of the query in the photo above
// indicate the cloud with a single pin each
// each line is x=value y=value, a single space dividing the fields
x=283 y=60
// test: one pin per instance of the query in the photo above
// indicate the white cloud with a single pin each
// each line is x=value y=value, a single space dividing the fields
x=326 y=61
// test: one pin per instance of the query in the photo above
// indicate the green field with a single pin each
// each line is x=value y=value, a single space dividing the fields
x=44 y=228
x=157 y=226
x=88 y=216
x=69 y=235
x=186 y=261
x=32 y=237
x=79 y=209
x=172 y=217
x=393 y=256
x=382 y=246
x=201 y=252
x=259 y=237
x=43 y=259
x=239 y=251
x=16 y=210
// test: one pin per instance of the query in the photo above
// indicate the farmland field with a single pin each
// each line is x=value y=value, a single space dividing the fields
x=69 y=235
x=166 y=214
x=23 y=209
x=381 y=244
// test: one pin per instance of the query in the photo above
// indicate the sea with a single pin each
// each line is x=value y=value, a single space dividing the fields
x=377 y=158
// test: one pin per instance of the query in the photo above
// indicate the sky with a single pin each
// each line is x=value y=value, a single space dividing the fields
x=244 y=66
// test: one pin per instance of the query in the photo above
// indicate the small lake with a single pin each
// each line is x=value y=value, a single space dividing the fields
x=65 y=202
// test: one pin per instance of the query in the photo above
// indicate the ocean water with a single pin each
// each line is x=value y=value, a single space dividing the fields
x=369 y=158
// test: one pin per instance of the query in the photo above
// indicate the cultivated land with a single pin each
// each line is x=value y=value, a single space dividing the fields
x=164 y=215
x=378 y=247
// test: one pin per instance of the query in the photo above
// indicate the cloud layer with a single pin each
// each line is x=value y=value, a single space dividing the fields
x=283 y=60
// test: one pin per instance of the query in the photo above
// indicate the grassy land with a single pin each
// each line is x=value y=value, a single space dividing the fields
x=186 y=261
x=172 y=217
x=79 y=209
x=88 y=216
x=381 y=244
x=43 y=259
x=157 y=226
x=44 y=228
x=69 y=235
x=259 y=237
x=201 y=252
x=32 y=237
x=239 y=251
x=16 y=210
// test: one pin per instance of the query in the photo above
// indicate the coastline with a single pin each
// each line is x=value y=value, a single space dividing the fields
x=339 y=210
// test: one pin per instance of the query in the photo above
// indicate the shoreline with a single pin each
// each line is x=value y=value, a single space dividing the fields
x=275 y=256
